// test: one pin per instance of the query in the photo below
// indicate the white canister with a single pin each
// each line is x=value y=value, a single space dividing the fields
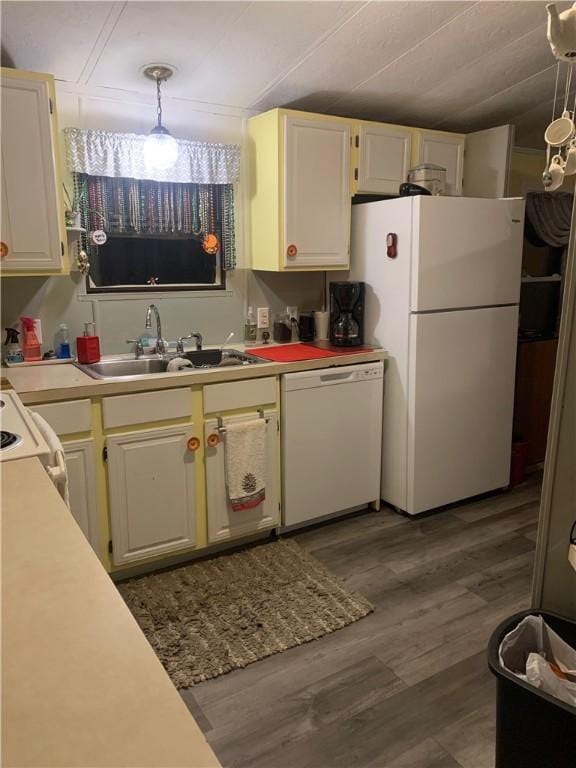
x=321 y=322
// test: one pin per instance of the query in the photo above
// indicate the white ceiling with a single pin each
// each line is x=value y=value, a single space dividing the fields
x=451 y=65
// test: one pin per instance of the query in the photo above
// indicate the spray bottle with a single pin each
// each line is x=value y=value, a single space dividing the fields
x=32 y=349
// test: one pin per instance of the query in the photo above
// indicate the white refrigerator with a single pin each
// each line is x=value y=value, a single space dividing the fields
x=444 y=303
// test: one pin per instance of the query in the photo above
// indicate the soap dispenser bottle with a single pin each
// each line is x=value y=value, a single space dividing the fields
x=88 y=345
x=250 y=328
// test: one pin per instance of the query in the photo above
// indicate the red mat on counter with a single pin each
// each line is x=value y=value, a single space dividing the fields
x=291 y=353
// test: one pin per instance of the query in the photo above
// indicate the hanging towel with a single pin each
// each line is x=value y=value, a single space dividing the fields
x=244 y=458
x=55 y=462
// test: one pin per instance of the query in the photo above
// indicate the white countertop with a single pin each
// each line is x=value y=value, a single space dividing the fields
x=42 y=384
x=81 y=686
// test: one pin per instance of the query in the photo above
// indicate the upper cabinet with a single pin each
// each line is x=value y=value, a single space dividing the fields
x=32 y=212
x=300 y=171
x=445 y=149
x=487 y=162
x=383 y=157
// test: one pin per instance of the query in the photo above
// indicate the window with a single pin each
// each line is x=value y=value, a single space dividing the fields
x=160 y=235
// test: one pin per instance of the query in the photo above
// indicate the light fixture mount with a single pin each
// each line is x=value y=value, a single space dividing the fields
x=158 y=72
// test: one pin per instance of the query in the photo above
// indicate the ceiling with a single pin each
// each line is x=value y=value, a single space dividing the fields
x=452 y=65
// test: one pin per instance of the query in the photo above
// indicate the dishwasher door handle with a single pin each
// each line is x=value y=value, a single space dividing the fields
x=335 y=376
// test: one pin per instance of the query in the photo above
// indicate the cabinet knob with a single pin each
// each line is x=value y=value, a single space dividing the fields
x=213 y=440
x=193 y=444
x=3 y=250
x=291 y=251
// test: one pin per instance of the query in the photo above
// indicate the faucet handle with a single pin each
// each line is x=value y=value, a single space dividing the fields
x=139 y=348
x=180 y=343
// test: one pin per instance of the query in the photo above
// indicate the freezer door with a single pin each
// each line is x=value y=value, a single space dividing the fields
x=467 y=252
x=461 y=395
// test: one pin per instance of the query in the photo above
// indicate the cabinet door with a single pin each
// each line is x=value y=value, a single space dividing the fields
x=384 y=158
x=81 y=467
x=223 y=522
x=152 y=493
x=30 y=209
x=447 y=150
x=487 y=162
x=316 y=193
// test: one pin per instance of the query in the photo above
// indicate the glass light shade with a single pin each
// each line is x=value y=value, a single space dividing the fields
x=160 y=149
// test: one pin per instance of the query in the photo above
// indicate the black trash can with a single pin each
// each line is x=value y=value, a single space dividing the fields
x=533 y=729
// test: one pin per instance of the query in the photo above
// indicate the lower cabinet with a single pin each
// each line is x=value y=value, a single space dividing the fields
x=152 y=492
x=223 y=522
x=80 y=465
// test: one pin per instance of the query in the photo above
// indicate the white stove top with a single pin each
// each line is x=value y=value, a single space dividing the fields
x=20 y=438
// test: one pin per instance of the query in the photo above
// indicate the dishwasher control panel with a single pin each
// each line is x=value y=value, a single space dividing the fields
x=324 y=377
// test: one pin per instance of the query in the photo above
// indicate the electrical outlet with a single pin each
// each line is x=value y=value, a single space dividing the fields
x=292 y=313
x=263 y=317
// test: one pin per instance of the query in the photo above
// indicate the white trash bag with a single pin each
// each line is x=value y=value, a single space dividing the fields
x=535 y=653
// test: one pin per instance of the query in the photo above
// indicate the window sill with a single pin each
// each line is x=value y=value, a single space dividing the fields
x=151 y=295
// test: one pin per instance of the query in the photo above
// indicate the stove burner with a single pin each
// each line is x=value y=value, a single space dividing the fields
x=9 y=440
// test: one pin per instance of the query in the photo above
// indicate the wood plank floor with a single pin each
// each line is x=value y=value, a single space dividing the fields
x=408 y=686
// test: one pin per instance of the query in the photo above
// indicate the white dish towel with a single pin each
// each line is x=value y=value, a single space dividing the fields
x=55 y=463
x=245 y=463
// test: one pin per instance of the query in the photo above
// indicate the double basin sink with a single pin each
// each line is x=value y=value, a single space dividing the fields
x=117 y=368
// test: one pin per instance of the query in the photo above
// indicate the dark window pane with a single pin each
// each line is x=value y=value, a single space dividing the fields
x=133 y=260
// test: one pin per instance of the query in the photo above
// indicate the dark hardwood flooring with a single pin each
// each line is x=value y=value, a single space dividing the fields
x=408 y=686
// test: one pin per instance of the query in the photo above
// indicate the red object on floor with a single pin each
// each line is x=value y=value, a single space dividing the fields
x=291 y=353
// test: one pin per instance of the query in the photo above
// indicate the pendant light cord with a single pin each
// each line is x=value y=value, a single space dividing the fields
x=567 y=87
x=159 y=98
x=555 y=92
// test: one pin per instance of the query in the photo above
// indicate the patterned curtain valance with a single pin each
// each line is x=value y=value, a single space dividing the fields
x=550 y=214
x=102 y=153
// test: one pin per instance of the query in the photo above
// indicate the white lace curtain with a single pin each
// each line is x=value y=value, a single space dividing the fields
x=102 y=153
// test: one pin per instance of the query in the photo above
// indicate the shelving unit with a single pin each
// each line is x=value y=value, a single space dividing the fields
x=543 y=279
x=75 y=231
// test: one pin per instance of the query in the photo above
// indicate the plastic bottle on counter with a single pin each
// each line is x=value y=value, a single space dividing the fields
x=12 y=349
x=31 y=346
x=250 y=328
x=63 y=347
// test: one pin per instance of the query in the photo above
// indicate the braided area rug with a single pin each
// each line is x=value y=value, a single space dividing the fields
x=211 y=617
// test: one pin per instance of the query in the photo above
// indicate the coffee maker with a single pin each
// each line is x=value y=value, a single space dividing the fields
x=347 y=314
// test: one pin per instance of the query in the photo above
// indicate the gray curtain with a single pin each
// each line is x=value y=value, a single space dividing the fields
x=550 y=214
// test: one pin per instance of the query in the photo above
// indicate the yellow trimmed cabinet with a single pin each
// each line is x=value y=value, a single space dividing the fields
x=300 y=173
x=33 y=241
x=384 y=156
x=445 y=149
x=224 y=404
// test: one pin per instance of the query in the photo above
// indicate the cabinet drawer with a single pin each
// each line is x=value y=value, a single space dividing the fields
x=123 y=410
x=67 y=418
x=239 y=394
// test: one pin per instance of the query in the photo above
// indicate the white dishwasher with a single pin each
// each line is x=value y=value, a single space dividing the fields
x=331 y=440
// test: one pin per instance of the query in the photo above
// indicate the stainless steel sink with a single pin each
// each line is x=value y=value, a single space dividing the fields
x=121 y=368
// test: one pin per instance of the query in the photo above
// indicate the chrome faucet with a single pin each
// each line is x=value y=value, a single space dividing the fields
x=194 y=335
x=138 y=349
x=160 y=345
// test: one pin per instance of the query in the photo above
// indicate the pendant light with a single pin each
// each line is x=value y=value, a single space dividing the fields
x=160 y=147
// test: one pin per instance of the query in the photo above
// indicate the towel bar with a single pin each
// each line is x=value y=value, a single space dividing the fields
x=222 y=429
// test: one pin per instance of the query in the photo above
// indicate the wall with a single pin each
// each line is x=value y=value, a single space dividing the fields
x=526 y=167
x=554 y=578
x=214 y=314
